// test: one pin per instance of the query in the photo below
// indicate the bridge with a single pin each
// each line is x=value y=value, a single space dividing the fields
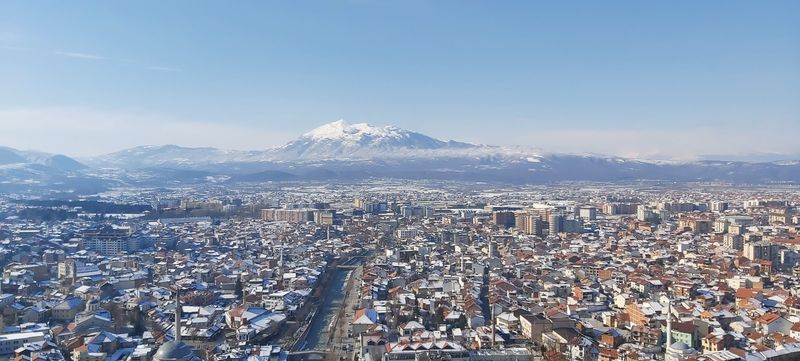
x=310 y=355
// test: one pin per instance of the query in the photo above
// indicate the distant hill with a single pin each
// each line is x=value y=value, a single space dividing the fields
x=345 y=152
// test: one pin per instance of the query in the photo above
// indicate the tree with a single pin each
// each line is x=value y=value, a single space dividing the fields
x=438 y=316
x=461 y=322
x=118 y=316
x=239 y=289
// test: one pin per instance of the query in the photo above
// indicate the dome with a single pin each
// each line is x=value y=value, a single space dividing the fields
x=174 y=351
x=679 y=346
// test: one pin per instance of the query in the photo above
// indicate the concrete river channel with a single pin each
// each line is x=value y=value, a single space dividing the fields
x=324 y=320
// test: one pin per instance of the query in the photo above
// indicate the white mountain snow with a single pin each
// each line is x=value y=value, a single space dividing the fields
x=339 y=150
x=341 y=140
x=337 y=140
x=170 y=156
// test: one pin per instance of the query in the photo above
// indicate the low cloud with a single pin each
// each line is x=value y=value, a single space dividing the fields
x=85 y=132
x=684 y=143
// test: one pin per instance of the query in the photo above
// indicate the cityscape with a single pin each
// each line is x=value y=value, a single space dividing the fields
x=399 y=181
x=405 y=270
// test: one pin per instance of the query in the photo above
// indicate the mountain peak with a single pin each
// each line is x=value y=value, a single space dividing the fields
x=340 y=139
x=342 y=130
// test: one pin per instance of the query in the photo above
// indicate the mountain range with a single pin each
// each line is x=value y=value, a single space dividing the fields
x=342 y=151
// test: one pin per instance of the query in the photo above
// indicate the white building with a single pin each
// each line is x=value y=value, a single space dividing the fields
x=12 y=341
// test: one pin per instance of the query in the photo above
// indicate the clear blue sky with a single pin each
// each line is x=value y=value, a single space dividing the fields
x=696 y=77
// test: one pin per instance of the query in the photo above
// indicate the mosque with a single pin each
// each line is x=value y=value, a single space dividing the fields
x=677 y=351
x=176 y=350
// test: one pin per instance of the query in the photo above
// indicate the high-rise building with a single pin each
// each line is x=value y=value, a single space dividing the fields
x=405 y=233
x=531 y=221
x=719 y=206
x=619 y=208
x=287 y=215
x=504 y=219
x=556 y=223
x=733 y=241
x=763 y=250
x=324 y=217
x=111 y=246
x=588 y=213
x=645 y=214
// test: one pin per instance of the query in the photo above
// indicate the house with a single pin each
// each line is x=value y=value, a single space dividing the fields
x=67 y=309
x=567 y=341
x=11 y=341
x=409 y=328
x=533 y=326
x=794 y=332
x=407 y=349
x=770 y=322
x=364 y=319
x=508 y=321
x=252 y=322
x=100 y=346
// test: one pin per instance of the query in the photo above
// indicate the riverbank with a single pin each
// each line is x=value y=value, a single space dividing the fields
x=341 y=342
x=318 y=334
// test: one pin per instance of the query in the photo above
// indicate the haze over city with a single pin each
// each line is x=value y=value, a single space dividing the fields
x=575 y=78
x=366 y=180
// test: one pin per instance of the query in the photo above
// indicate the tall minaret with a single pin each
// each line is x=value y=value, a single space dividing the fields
x=494 y=325
x=280 y=267
x=669 y=323
x=177 y=314
x=280 y=260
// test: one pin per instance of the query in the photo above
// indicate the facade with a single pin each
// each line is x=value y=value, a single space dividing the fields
x=11 y=341
x=288 y=215
x=112 y=246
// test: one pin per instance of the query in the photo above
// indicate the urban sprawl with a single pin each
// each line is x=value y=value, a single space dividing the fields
x=390 y=270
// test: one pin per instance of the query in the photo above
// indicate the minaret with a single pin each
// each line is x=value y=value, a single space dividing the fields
x=177 y=314
x=494 y=325
x=669 y=323
x=280 y=267
x=280 y=260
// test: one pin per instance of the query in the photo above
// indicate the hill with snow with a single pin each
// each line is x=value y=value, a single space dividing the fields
x=336 y=141
x=341 y=140
x=344 y=151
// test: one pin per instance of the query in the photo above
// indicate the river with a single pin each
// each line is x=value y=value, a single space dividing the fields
x=318 y=332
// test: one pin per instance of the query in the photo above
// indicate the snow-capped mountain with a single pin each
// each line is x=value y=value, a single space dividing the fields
x=148 y=156
x=341 y=140
x=14 y=157
x=24 y=170
x=343 y=151
x=338 y=140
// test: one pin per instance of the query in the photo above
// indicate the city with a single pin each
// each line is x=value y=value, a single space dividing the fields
x=415 y=180
x=388 y=270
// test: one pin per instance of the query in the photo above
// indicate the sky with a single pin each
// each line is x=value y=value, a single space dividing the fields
x=661 y=80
